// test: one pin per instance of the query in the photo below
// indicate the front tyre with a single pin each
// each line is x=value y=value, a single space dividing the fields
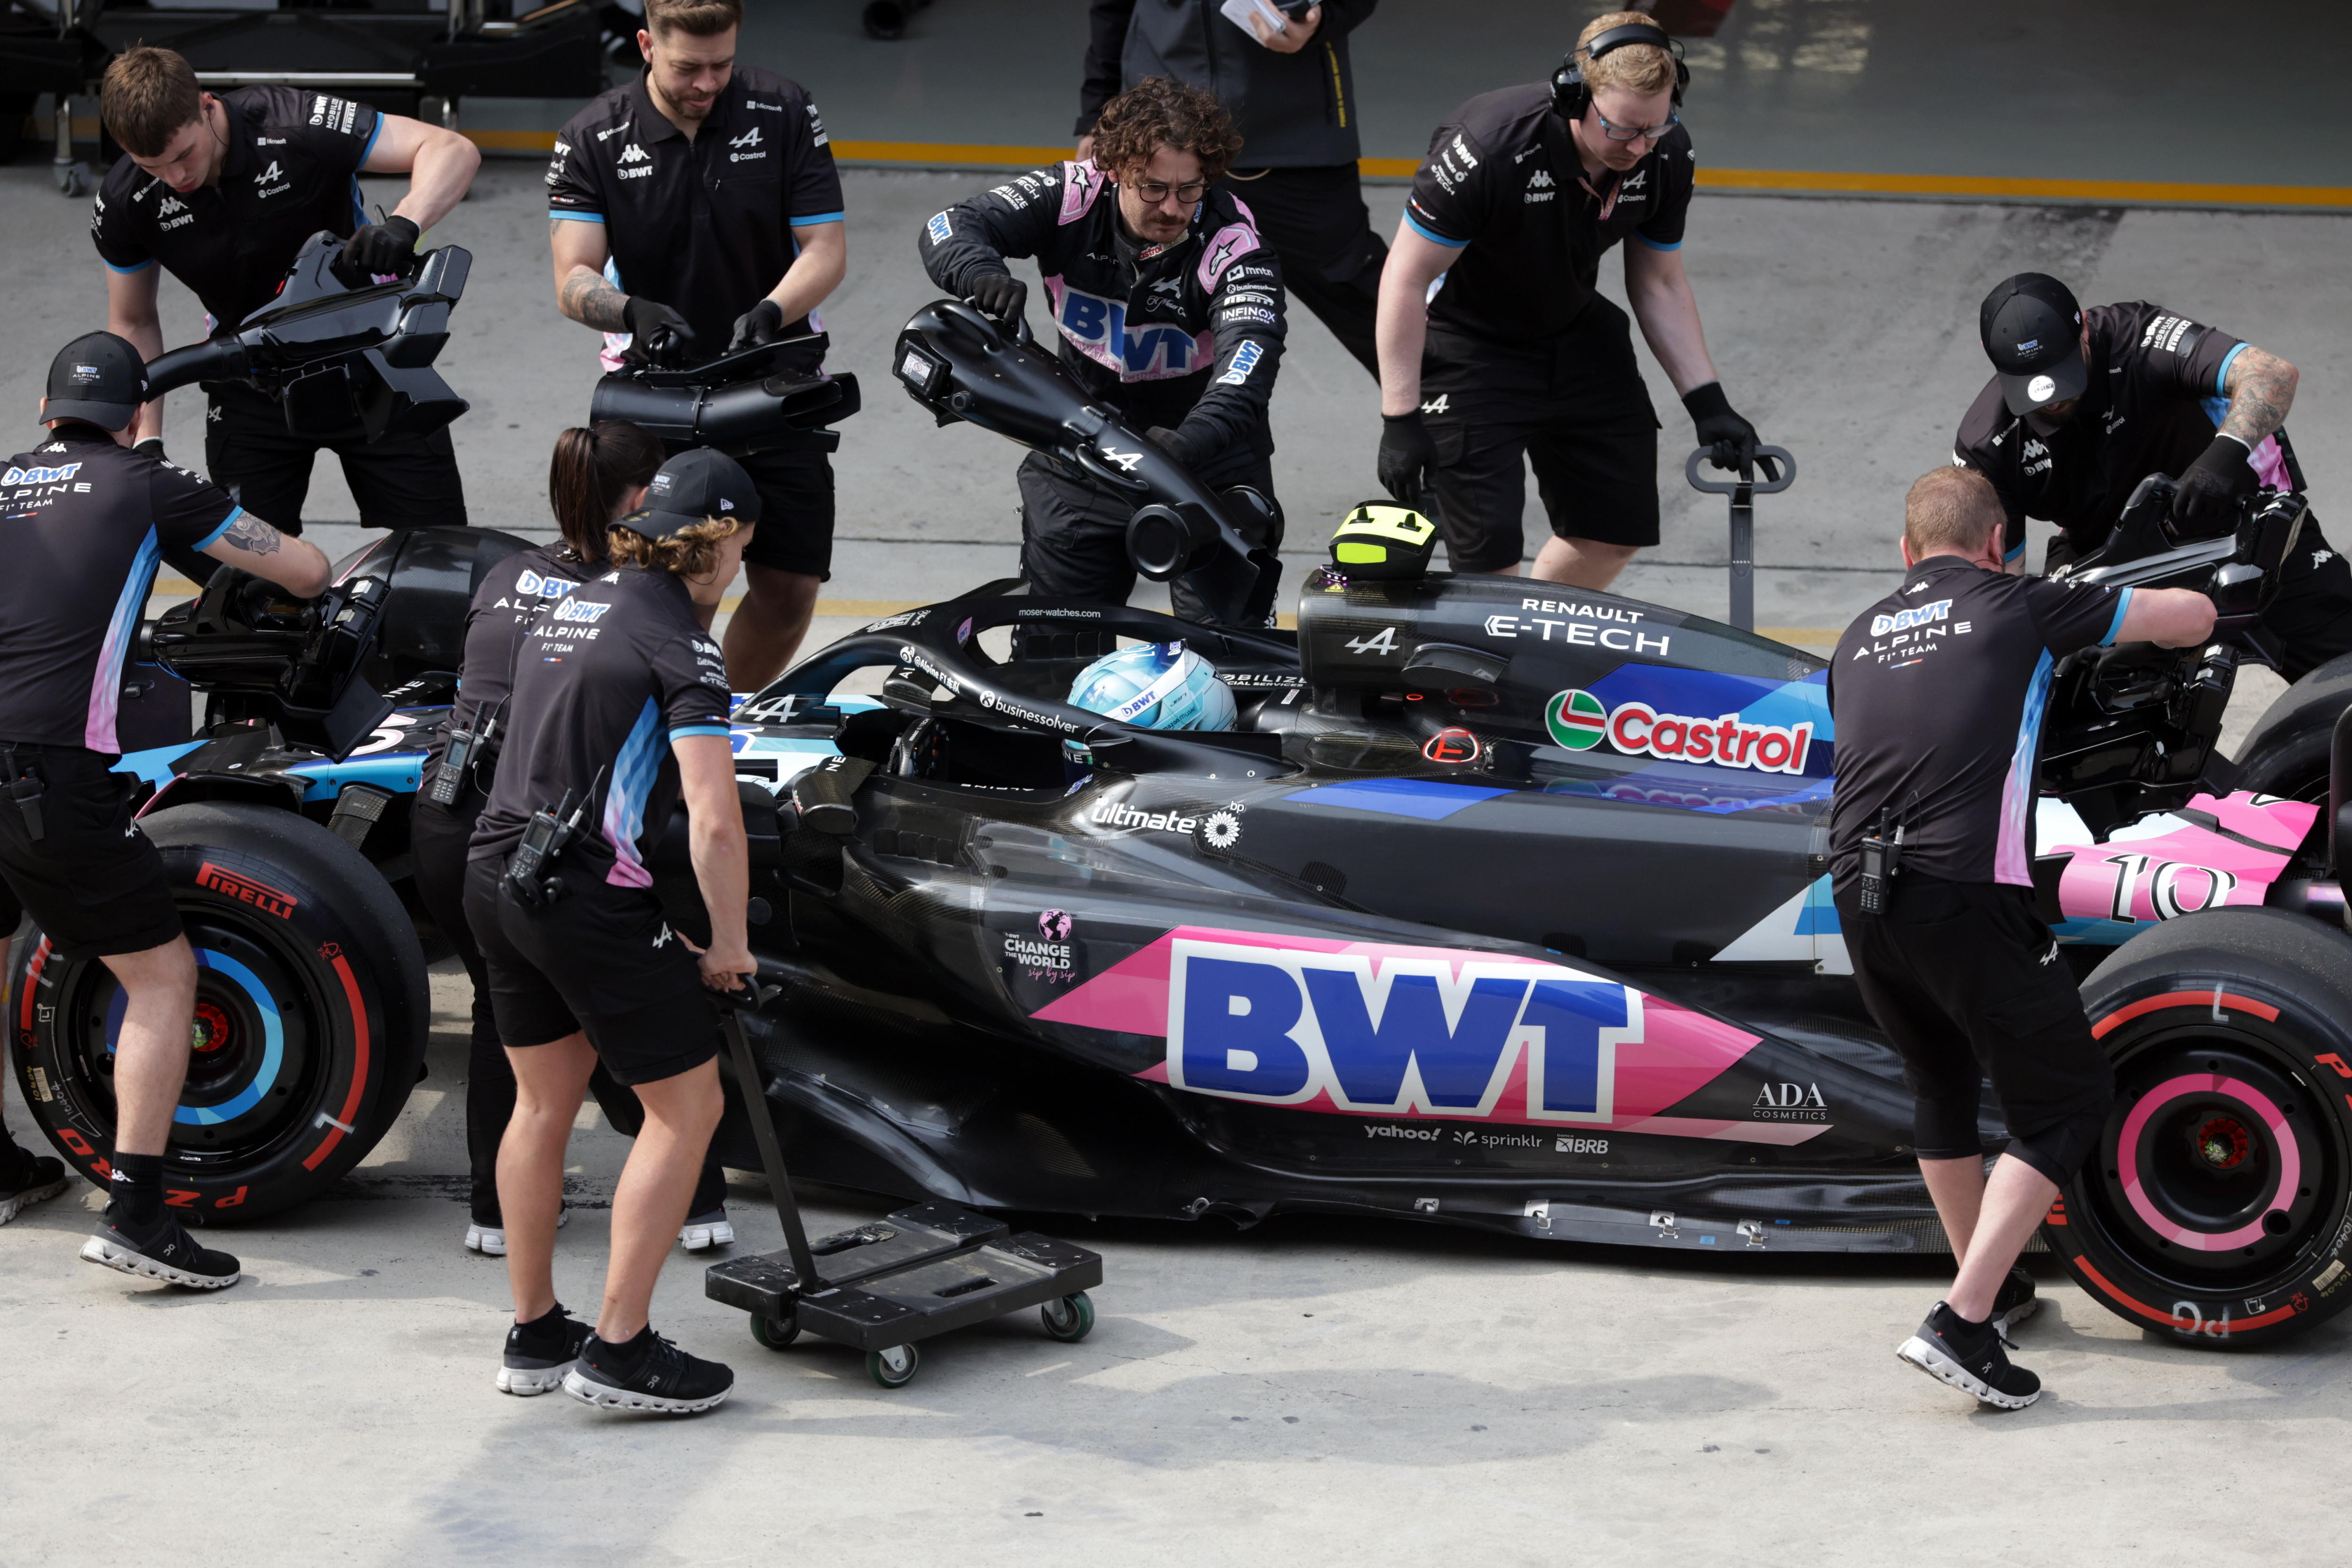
x=310 y=1017
x=2216 y=1205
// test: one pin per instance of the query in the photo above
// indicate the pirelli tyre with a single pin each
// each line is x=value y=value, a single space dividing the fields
x=2216 y=1205
x=310 y=1020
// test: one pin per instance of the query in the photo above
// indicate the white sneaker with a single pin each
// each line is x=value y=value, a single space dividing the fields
x=703 y=1231
x=490 y=1240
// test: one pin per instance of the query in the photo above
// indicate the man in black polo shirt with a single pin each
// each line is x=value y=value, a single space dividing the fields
x=1937 y=691
x=2087 y=403
x=83 y=519
x=222 y=190
x=693 y=213
x=1495 y=349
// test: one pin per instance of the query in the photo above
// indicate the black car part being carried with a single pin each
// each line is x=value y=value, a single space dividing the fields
x=740 y=404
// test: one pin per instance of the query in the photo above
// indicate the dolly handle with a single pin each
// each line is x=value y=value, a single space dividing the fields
x=764 y=1129
x=1758 y=487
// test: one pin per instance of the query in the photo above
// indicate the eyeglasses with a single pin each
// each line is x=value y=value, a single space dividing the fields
x=1635 y=132
x=1154 y=192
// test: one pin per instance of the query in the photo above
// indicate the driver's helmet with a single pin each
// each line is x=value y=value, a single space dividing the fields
x=1156 y=686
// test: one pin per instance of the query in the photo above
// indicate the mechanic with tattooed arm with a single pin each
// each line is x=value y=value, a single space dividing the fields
x=2087 y=402
x=87 y=517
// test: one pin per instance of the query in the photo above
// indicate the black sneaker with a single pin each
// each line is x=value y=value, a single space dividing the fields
x=2013 y=1303
x=167 y=1253
x=27 y=1178
x=1969 y=1357
x=540 y=1352
x=666 y=1380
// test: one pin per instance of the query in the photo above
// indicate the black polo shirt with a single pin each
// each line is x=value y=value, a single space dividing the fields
x=1937 y=692
x=704 y=226
x=1503 y=185
x=82 y=523
x=290 y=171
x=512 y=594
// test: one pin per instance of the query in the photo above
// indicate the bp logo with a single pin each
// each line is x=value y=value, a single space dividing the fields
x=1577 y=719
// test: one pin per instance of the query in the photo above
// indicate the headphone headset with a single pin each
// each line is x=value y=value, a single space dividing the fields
x=1569 y=95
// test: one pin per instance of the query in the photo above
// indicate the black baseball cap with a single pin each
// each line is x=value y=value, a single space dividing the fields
x=2033 y=331
x=98 y=377
x=696 y=485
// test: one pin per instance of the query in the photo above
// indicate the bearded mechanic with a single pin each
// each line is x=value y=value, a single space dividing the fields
x=1169 y=309
x=2084 y=403
x=1495 y=349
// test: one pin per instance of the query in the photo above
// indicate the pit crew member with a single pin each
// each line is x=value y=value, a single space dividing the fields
x=1937 y=693
x=2084 y=403
x=596 y=476
x=85 y=519
x=619 y=709
x=1495 y=351
x=221 y=190
x=693 y=213
x=1170 y=310
x=1291 y=90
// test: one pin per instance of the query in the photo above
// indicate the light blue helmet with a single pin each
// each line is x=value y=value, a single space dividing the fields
x=1158 y=686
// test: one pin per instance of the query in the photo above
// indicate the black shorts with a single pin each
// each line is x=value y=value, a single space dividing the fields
x=1074 y=540
x=795 y=532
x=601 y=962
x=1575 y=408
x=1969 y=984
x=400 y=481
x=93 y=880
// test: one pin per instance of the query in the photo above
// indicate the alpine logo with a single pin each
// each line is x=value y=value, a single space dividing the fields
x=749 y=139
x=1126 y=460
x=1578 y=721
x=246 y=890
x=262 y=181
x=1436 y=405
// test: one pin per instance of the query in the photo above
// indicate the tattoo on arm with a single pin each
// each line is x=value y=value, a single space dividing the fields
x=589 y=301
x=2262 y=390
x=254 y=537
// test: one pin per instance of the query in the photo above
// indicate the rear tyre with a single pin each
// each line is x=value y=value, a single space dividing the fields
x=311 y=1013
x=2217 y=1204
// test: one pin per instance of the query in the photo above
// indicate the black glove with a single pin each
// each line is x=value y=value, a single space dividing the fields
x=763 y=323
x=1000 y=295
x=151 y=448
x=657 y=332
x=1730 y=440
x=1406 y=451
x=381 y=249
x=1177 y=445
x=2206 y=504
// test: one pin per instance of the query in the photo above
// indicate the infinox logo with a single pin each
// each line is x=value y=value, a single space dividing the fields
x=1580 y=721
x=246 y=890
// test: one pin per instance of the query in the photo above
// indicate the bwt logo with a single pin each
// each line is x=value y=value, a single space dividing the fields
x=15 y=476
x=246 y=890
x=531 y=583
x=1904 y=620
x=1281 y=1028
x=580 y=610
x=1098 y=327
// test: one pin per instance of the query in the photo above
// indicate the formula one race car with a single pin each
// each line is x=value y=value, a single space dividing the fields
x=1500 y=905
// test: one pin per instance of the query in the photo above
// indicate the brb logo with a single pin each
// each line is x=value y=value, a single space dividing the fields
x=1150 y=352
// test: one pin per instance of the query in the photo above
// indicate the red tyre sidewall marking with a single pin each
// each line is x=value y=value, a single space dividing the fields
x=2220 y=1001
x=360 y=1049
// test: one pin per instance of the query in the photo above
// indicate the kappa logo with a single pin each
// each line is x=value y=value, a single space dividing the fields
x=634 y=164
x=633 y=153
x=1540 y=180
x=1578 y=722
x=170 y=204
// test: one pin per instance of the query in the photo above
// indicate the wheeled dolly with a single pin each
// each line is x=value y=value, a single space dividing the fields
x=885 y=1286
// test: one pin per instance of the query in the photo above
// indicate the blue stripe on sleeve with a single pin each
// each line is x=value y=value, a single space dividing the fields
x=2123 y=607
x=368 y=151
x=1655 y=244
x=820 y=217
x=1431 y=235
x=142 y=267
x=560 y=216
x=2221 y=377
x=227 y=523
x=685 y=730
x=2016 y=553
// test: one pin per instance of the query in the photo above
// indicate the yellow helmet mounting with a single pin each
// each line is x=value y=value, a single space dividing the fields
x=1382 y=540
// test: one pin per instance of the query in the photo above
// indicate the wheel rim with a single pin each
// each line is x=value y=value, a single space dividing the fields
x=1061 y=1315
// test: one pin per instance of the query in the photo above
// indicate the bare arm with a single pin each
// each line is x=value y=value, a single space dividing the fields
x=816 y=272
x=1402 y=327
x=2261 y=389
x=439 y=165
x=714 y=812
x=2168 y=617
x=1660 y=293
x=131 y=314
x=581 y=291
x=252 y=545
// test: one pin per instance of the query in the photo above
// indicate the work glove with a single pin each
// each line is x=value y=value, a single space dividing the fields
x=1176 y=444
x=1000 y=295
x=2206 y=504
x=763 y=323
x=1406 y=451
x=1730 y=440
x=381 y=249
x=657 y=332
x=151 y=448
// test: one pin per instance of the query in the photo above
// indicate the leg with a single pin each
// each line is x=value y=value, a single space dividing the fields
x=548 y=1082
x=249 y=453
x=790 y=556
x=769 y=625
x=1480 y=404
x=1958 y=1187
x=2015 y=1199
x=1581 y=562
x=437 y=836
x=150 y=1053
x=1317 y=223
x=1072 y=547
x=405 y=481
x=1596 y=469
x=658 y=1183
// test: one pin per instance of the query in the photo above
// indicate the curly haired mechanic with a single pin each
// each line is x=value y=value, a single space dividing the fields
x=694 y=213
x=1937 y=693
x=89 y=517
x=1170 y=310
x=1495 y=351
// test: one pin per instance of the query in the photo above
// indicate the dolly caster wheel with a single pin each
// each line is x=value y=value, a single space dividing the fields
x=893 y=1368
x=776 y=1333
x=1069 y=1320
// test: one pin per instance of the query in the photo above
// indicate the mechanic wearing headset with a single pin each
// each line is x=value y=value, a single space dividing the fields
x=2085 y=404
x=693 y=213
x=1937 y=692
x=223 y=190
x=618 y=710
x=1495 y=348
x=596 y=476
x=87 y=517
x=1170 y=310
